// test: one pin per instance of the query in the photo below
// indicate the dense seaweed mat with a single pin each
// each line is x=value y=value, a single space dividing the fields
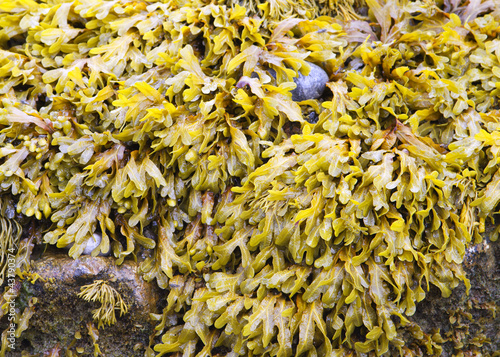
x=157 y=124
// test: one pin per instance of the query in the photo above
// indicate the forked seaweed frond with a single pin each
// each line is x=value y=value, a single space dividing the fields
x=109 y=298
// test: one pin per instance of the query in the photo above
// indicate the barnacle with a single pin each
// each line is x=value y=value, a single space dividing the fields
x=109 y=298
x=171 y=125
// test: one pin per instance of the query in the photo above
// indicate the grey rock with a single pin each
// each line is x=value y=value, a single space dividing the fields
x=311 y=86
x=312 y=117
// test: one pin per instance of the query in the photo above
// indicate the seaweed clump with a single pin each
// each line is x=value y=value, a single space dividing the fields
x=110 y=301
x=271 y=235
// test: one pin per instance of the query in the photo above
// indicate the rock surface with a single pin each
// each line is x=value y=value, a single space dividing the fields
x=469 y=324
x=311 y=86
x=62 y=318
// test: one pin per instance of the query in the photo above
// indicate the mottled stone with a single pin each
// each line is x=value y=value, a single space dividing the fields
x=469 y=323
x=311 y=86
x=62 y=318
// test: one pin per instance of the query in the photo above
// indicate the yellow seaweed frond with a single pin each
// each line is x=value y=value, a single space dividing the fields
x=109 y=298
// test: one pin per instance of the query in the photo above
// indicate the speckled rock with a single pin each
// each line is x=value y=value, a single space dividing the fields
x=62 y=318
x=468 y=323
x=311 y=86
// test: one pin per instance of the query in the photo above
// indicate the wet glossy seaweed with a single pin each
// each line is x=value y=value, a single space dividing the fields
x=272 y=234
